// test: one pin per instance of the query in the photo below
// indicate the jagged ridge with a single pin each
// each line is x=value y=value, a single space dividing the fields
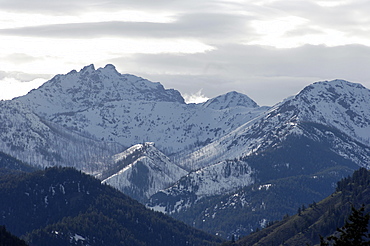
x=131 y=110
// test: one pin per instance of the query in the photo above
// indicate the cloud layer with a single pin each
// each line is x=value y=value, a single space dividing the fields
x=264 y=73
x=268 y=49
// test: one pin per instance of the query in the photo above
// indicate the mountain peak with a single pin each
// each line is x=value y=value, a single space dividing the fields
x=337 y=103
x=90 y=87
x=142 y=170
x=336 y=91
x=342 y=82
x=230 y=100
x=136 y=151
x=110 y=66
x=337 y=86
x=88 y=68
x=91 y=68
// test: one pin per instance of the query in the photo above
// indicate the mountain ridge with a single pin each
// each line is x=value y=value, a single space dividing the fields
x=282 y=119
x=297 y=164
x=143 y=171
x=129 y=110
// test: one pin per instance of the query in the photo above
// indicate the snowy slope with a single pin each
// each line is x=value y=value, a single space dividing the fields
x=144 y=170
x=34 y=140
x=216 y=179
x=338 y=104
x=317 y=148
x=131 y=110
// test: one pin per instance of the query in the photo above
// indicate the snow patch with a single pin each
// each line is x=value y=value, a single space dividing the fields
x=265 y=187
x=77 y=238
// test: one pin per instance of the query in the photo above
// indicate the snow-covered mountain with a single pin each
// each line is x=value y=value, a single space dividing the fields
x=323 y=129
x=141 y=171
x=88 y=116
x=313 y=149
x=130 y=110
x=230 y=100
x=338 y=104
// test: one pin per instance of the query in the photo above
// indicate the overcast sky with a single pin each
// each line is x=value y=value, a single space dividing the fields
x=267 y=49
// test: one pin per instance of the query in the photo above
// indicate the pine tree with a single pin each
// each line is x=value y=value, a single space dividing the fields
x=353 y=233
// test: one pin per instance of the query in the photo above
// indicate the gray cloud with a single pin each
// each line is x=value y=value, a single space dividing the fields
x=266 y=74
x=344 y=17
x=348 y=17
x=303 y=30
x=39 y=6
x=214 y=27
x=81 y=6
x=205 y=20
x=19 y=58
x=23 y=77
x=308 y=60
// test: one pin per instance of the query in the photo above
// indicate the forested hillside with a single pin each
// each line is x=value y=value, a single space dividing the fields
x=318 y=219
x=11 y=164
x=62 y=206
x=7 y=239
x=294 y=172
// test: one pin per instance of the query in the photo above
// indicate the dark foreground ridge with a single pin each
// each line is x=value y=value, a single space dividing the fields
x=63 y=206
x=318 y=219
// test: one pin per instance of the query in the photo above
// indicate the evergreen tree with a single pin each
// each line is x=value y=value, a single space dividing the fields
x=7 y=239
x=353 y=233
x=233 y=238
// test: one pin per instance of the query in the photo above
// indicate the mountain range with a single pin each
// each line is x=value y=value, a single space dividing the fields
x=227 y=166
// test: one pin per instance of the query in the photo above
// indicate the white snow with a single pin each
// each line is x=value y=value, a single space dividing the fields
x=131 y=110
x=263 y=223
x=161 y=171
x=220 y=178
x=265 y=186
x=77 y=237
x=338 y=103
